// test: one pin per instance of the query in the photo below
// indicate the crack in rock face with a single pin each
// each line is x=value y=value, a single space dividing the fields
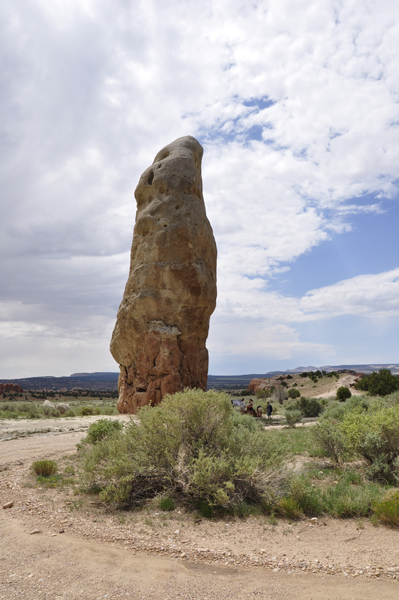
x=163 y=320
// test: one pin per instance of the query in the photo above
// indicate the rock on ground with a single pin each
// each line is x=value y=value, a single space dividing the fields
x=163 y=320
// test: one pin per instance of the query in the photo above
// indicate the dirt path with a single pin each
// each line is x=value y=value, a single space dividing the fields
x=153 y=555
x=64 y=568
x=23 y=439
x=346 y=380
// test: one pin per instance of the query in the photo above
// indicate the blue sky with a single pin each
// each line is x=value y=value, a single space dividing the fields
x=297 y=106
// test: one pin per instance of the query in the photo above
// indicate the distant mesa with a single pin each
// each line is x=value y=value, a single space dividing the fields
x=163 y=320
x=108 y=381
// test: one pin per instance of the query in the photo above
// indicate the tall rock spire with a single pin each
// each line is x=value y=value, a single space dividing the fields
x=163 y=320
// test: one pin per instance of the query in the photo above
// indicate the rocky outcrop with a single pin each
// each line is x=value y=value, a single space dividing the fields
x=163 y=320
x=10 y=387
x=63 y=407
x=260 y=384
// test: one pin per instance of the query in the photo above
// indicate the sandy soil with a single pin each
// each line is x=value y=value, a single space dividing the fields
x=83 y=551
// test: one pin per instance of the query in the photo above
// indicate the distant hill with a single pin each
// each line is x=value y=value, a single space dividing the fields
x=109 y=381
x=394 y=368
x=81 y=381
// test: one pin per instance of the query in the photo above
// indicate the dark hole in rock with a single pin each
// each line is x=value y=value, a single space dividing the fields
x=177 y=206
x=151 y=178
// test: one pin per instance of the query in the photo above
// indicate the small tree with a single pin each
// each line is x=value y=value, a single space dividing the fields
x=280 y=394
x=293 y=393
x=343 y=393
x=379 y=384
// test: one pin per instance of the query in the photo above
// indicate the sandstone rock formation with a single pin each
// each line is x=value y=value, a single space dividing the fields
x=10 y=387
x=63 y=407
x=163 y=320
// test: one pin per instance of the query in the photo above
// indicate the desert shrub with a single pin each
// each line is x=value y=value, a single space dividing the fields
x=69 y=413
x=374 y=435
x=288 y=507
x=292 y=417
x=348 y=499
x=44 y=467
x=379 y=384
x=306 y=496
x=387 y=509
x=263 y=394
x=348 y=496
x=109 y=410
x=49 y=481
x=335 y=411
x=330 y=439
x=33 y=412
x=294 y=393
x=103 y=428
x=309 y=407
x=343 y=393
x=206 y=509
x=85 y=411
x=51 y=411
x=193 y=446
x=166 y=504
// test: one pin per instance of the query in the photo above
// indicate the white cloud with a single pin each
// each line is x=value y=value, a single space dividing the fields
x=374 y=296
x=296 y=104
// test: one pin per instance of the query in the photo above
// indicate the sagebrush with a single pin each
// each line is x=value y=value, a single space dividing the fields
x=193 y=447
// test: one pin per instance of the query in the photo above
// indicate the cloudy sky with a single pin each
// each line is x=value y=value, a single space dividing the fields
x=296 y=103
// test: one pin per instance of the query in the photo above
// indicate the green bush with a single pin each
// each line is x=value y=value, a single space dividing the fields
x=69 y=413
x=347 y=499
x=103 y=428
x=49 y=411
x=374 y=435
x=288 y=507
x=348 y=496
x=193 y=446
x=387 y=509
x=306 y=496
x=294 y=393
x=343 y=393
x=90 y=410
x=379 y=384
x=330 y=439
x=309 y=407
x=292 y=417
x=44 y=467
x=263 y=394
x=336 y=410
x=166 y=504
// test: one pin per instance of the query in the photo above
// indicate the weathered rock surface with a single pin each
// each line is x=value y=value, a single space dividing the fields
x=63 y=407
x=163 y=320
